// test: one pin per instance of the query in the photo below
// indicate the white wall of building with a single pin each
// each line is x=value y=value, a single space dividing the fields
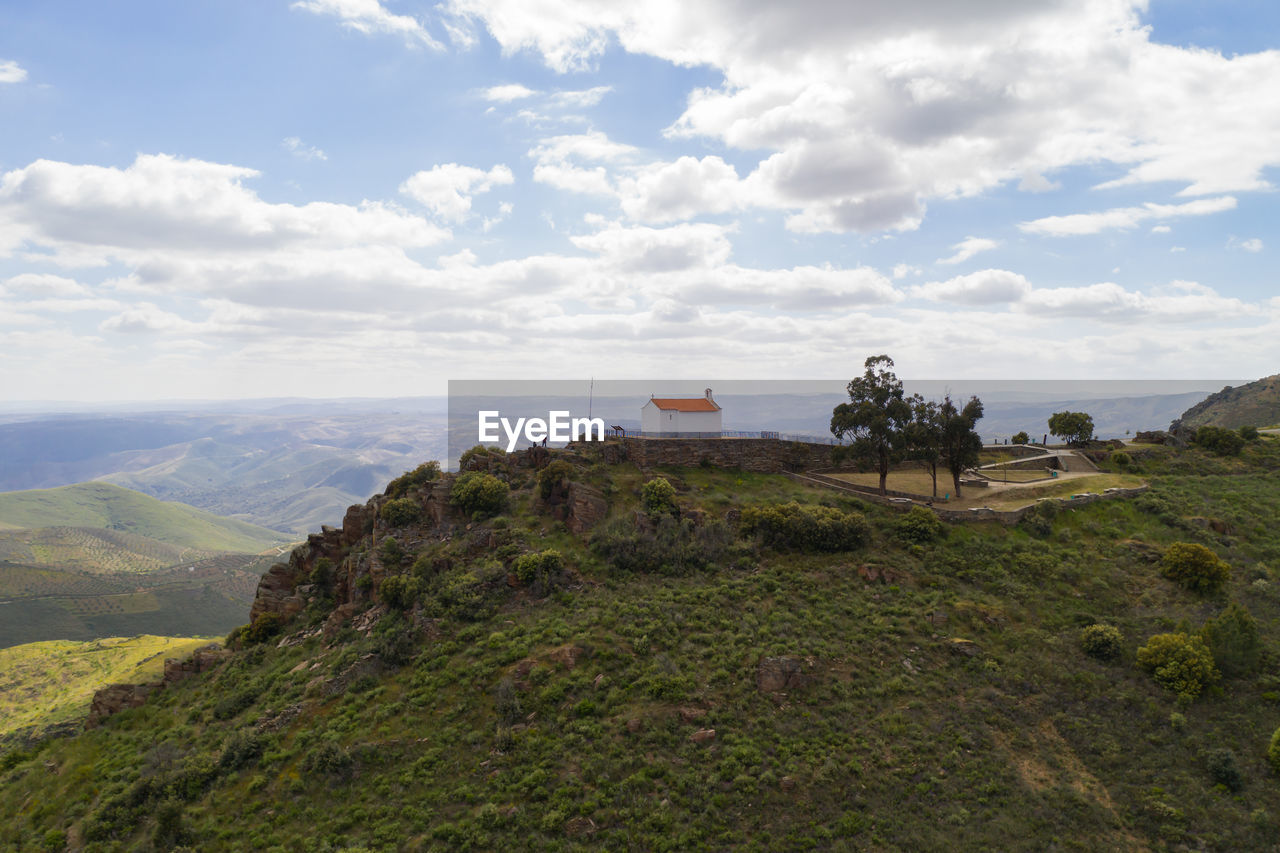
x=666 y=421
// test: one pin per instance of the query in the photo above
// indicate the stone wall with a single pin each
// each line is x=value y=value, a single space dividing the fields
x=763 y=455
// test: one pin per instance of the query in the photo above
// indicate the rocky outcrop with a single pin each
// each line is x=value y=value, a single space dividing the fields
x=202 y=660
x=115 y=698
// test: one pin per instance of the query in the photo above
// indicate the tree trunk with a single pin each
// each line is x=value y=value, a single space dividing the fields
x=933 y=474
x=884 y=472
x=955 y=475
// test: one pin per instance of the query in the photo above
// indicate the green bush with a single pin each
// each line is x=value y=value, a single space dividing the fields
x=1020 y=438
x=658 y=497
x=542 y=570
x=1249 y=433
x=1104 y=642
x=266 y=626
x=477 y=458
x=1194 y=567
x=328 y=759
x=478 y=493
x=396 y=640
x=1224 y=769
x=390 y=552
x=423 y=474
x=1121 y=459
x=399 y=512
x=1273 y=751
x=804 y=527
x=1232 y=637
x=919 y=525
x=399 y=592
x=673 y=547
x=240 y=750
x=1180 y=662
x=551 y=476
x=1223 y=442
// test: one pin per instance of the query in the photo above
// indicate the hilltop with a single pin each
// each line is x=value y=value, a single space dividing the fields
x=102 y=505
x=1255 y=404
x=554 y=651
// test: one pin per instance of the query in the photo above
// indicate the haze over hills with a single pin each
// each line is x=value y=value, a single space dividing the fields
x=290 y=465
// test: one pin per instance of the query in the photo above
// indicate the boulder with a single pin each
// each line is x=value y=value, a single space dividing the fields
x=587 y=508
x=778 y=674
x=202 y=660
x=703 y=736
x=117 y=697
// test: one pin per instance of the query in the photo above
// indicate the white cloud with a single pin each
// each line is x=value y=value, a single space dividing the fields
x=162 y=206
x=508 y=92
x=447 y=189
x=561 y=162
x=968 y=247
x=984 y=287
x=43 y=286
x=371 y=17
x=581 y=98
x=662 y=192
x=295 y=146
x=143 y=319
x=1181 y=301
x=1160 y=229
x=1123 y=217
x=11 y=72
x=903 y=270
x=867 y=112
x=1253 y=244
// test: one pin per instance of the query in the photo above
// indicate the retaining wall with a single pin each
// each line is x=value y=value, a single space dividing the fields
x=763 y=455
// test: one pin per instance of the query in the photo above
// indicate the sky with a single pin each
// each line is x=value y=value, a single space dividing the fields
x=258 y=198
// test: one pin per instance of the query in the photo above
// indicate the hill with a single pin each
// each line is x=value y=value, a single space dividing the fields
x=102 y=505
x=44 y=686
x=611 y=665
x=1255 y=404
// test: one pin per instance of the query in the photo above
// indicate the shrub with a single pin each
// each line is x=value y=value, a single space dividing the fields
x=1273 y=751
x=658 y=497
x=552 y=475
x=1020 y=438
x=322 y=575
x=478 y=493
x=1224 y=770
x=1121 y=459
x=1104 y=642
x=1223 y=442
x=1232 y=638
x=241 y=749
x=266 y=626
x=1194 y=566
x=423 y=474
x=1249 y=433
x=400 y=592
x=391 y=553
x=672 y=547
x=477 y=458
x=1039 y=520
x=541 y=570
x=328 y=759
x=399 y=512
x=1180 y=662
x=919 y=525
x=396 y=639
x=803 y=527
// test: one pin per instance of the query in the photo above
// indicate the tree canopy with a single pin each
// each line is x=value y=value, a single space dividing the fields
x=876 y=417
x=1071 y=427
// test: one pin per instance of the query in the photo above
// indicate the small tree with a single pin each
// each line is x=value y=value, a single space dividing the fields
x=1223 y=442
x=1179 y=662
x=1071 y=427
x=1020 y=438
x=399 y=592
x=1104 y=642
x=924 y=434
x=961 y=444
x=1249 y=433
x=1194 y=566
x=1273 y=751
x=875 y=418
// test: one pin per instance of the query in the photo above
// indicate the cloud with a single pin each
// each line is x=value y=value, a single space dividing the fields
x=295 y=146
x=662 y=192
x=1181 y=301
x=867 y=113
x=11 y=72
x=1160 y=229
x=984 y=287
x=968 y=247
x=447 y=189
x=144 y=319
x=580 y=98
x=1253 y=244
x=43 y=286
x=1123 y=217
x=562 y=162
x=163 y=206
x=371 y=17
x=508 y=92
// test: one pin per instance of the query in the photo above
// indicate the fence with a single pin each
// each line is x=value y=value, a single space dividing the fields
x=739 y=433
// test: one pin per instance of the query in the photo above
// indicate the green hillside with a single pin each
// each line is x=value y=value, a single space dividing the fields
x=717 y=669
x=1254 y=404
x=102 y=505
x=45 y=685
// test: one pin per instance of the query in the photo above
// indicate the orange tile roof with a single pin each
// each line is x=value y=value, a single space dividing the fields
x=692 y=404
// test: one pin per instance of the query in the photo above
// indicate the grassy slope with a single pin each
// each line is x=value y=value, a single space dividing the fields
x=46 y=684
x=106 y=506
x=897 y=744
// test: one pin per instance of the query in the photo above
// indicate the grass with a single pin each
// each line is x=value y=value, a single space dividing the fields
x=43 y=685
x=104 y=506
x=491 y=736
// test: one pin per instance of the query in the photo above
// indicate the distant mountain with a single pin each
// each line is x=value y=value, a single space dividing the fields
x=115 y=509
x=285 y=464
x=1255 y=404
